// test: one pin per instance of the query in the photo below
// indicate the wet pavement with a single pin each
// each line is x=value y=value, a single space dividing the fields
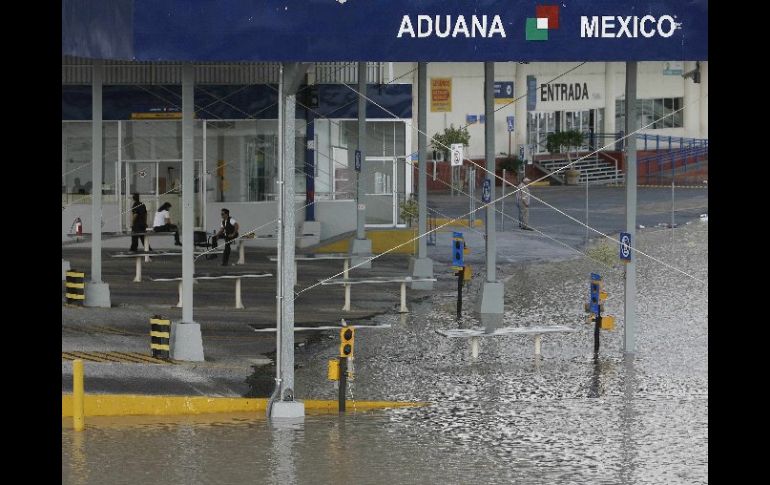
x=507 y=417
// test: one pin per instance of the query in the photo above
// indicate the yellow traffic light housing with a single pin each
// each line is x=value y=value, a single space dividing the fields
x=333 y=370
x=608 y=322
x=347 y=336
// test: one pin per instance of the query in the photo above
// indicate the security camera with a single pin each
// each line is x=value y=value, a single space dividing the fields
x=694 y=74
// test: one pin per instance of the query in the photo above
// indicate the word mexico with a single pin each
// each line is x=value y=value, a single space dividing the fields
x=427 y=25
x=563 y=92
x=648 y=26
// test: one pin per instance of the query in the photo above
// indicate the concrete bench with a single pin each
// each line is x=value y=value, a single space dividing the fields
x=146 y=243
x=376 y=280
x=476 y=334
x=242 y=247
x=146 y=255
x=236 y=277
x=345 y=257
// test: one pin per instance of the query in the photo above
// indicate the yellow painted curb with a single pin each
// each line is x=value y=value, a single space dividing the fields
x=141 y=405
x=460 y=221
x=382 y=240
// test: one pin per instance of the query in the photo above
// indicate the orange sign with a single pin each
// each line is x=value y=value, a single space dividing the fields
x=440 y=94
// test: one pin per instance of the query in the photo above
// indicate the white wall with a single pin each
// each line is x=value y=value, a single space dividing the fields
x=335 y=216
x=109 y=217
x=468 y=95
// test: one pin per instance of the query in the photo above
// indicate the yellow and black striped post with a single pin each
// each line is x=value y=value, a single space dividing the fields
x=75 y=287
x=160 y=336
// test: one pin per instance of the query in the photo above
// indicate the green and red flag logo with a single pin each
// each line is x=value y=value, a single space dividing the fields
x=546 y=18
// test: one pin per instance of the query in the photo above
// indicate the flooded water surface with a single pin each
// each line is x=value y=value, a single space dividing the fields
x=506 y=417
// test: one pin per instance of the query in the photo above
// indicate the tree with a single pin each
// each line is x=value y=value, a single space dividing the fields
x=566 y=139
x=443 y=141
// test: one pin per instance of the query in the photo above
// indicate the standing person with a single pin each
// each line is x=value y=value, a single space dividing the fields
x=228 y=229
x=522 y=202
x=138 y=222
x=162 y=222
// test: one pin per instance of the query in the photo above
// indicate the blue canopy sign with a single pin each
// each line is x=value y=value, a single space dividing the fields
x=396 y=30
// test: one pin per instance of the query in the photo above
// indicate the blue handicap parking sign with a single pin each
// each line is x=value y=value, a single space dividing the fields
x=486 y=193
x=625 y=246
x=509 y=119
x=358 y=161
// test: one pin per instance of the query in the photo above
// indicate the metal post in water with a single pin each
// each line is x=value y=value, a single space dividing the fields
x=597 y=328
x=629 y=307
x=78 y=414
x=343 y=383
x=460 y=276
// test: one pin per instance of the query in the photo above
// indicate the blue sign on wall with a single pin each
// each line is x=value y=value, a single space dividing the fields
x=531 y=93
x=402 y=30
x=503 y=91
x=509 y=120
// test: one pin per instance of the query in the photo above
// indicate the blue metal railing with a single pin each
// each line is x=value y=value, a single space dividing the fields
x=689 y=151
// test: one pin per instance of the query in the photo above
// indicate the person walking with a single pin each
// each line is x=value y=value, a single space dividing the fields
x=228 y=230
x=138 y=223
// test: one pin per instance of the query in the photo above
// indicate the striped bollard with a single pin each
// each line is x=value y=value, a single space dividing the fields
x=75 y=288
x=160 y=336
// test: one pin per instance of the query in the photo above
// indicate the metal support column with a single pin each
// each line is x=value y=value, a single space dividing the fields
x=284 y=405
x=629 y=333
x=97 y=292
x=187 y=343
x=492 y=292
x=361 y=245
x=422 y=266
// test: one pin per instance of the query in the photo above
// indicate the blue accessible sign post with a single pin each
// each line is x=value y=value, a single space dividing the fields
x=625 y=246
x=486 y=193
x=358 y=161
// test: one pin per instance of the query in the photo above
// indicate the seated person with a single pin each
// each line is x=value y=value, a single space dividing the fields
x=162 y=222
x=228 y=229
x=77 y=188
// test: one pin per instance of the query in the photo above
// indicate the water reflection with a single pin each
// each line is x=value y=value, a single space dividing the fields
x=283 y=433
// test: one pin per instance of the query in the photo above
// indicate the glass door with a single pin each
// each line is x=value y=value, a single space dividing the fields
x=379 y=191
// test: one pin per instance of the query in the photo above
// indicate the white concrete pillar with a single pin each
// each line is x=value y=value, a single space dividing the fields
x=692 y=104
x=609 y=101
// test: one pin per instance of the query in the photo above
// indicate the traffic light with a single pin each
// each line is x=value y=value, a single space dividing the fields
x=458 y=246
x=347 y=335
x=596 y=291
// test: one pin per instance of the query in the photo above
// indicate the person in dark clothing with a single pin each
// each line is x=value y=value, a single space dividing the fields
x=162 y=222
x=228 y=229
x=138 y=222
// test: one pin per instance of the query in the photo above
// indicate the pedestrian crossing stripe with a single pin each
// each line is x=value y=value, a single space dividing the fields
x=113 y=357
